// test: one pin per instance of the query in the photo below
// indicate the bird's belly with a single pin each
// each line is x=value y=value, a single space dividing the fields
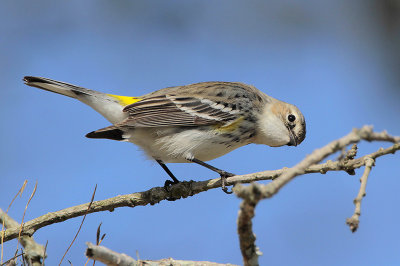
x=177 y=146
x=203 y=153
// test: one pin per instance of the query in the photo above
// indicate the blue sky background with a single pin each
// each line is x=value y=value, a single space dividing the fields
x=338 y=61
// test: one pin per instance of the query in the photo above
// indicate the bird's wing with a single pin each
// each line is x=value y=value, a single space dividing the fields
x=172 y=110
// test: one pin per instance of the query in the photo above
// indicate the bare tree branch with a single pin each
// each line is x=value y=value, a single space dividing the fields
x=354 y=220
x=190 y=188
x=250 y=252
x=318 y=155
x=33 y=251
x=107 y=256
x=112 y=258
x=252 y=194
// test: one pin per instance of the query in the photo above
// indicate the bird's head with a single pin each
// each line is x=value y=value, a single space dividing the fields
x=280 y=124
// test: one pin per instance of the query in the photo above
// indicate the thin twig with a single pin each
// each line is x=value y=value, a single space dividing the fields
x=77 y=233
x=44 y=252
x=7 y=262
x=3 y=222
x=23 y=216
x=98 y=241
x=354 y=220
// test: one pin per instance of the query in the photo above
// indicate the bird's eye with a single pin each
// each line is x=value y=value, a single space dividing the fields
x=291 y=118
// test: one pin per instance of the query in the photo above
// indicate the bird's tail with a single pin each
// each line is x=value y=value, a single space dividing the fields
x=57 y=87
x=108 y=105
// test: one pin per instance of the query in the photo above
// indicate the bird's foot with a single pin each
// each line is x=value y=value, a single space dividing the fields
x=224 y=175
x=168 y=183
x=167 y=186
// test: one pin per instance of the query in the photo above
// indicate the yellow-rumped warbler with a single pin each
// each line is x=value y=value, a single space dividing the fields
x=192 y=123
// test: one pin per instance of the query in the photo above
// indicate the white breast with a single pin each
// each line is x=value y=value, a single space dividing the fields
x=176 y=147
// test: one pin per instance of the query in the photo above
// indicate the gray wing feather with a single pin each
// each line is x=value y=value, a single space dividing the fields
x=170 y=110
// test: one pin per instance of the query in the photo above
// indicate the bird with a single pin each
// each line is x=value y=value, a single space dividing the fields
x=193 y=123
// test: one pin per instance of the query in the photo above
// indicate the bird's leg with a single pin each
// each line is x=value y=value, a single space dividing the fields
x=168 y=182
x=222 y=173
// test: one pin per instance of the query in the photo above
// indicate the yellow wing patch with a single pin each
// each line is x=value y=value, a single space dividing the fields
x=125 y=100
x=231 y=126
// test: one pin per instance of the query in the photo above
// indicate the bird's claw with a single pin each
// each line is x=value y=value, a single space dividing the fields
x=225 y=175
x=168 y=183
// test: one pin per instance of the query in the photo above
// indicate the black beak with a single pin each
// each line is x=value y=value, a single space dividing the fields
x=293 y=140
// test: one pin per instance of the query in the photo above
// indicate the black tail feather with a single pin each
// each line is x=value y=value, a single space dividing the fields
x=107 y=133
